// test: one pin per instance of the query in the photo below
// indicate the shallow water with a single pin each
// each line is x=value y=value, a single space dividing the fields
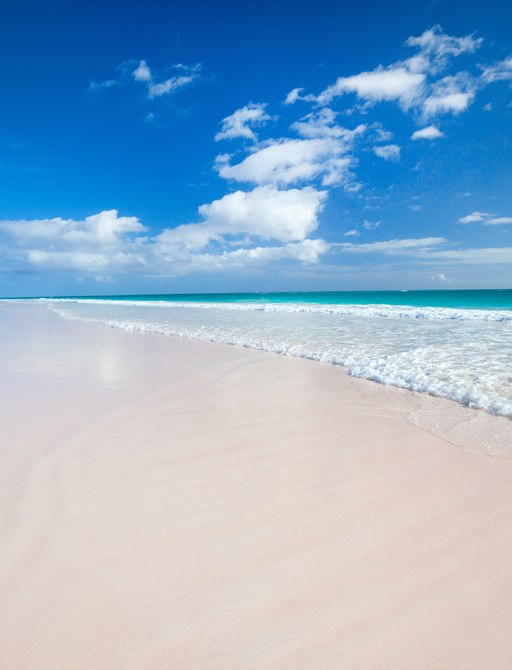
x=460 y=353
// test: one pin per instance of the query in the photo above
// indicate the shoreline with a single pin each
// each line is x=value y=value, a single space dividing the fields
x=170 y=502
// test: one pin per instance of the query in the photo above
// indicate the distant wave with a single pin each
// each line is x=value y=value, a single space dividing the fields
x=384 y=311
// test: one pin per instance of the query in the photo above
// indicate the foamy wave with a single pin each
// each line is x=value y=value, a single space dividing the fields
x=385 y=311
x=428 y=369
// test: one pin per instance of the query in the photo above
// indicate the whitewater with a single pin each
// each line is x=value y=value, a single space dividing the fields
x=460 y=353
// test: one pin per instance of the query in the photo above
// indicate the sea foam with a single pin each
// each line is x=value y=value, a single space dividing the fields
x=464 y=355
x=385 y=311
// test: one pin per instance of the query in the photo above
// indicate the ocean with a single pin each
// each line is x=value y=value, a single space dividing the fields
x=454 y=344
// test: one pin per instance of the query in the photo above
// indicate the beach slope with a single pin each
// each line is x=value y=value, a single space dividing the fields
x=167 y=503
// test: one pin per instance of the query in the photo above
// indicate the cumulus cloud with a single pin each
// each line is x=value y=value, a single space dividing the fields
x=388 y=152
x=428 y=133
x=287 y=178
x=266 y=212
x=394 y=83
x=412 y=83
x=239 y=123
x=105 y=228
x=452 y=94
x=113 y=244
x=288 y=161
x=406 y=82
x=100 y=241
x=142 y=72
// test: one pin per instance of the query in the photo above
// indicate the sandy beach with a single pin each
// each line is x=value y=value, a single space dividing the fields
x=169 y=503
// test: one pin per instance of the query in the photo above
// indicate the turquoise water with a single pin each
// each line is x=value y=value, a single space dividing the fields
x=469 y=299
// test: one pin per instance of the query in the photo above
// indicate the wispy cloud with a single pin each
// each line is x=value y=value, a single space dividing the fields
x=486 y=218
x=155 y=86
x=500 y=71
x=388 y=152
x=101 y=85
x=242 y=121
x=395 y=247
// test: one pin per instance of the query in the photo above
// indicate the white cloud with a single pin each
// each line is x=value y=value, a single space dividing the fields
x=415 y=208
x=389 y=152
x=409 y=82
x=451 y=102
x=371 y=225
x=306 y=251
x=393 y=83
x=99 y=85
x=435 y=46
x=475 y=217
x=111 y=244
x=498 y=221
x=293 y=96
x=501 y=71
x=394 y=247
x=323 y=124
x=452 y=94
x=483 y=256
x=101 y=241
x=169 y=85
x=266 y=212
x=286 y=162
x=105 y=228
x=381 y=135
x=86 y=262
x=143 y=75
x=239 y=123
x=185 y=239
x=351 y=233
x=142 y=72
x=428 y=133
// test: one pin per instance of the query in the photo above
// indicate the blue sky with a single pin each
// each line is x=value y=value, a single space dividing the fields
x=200 y=146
